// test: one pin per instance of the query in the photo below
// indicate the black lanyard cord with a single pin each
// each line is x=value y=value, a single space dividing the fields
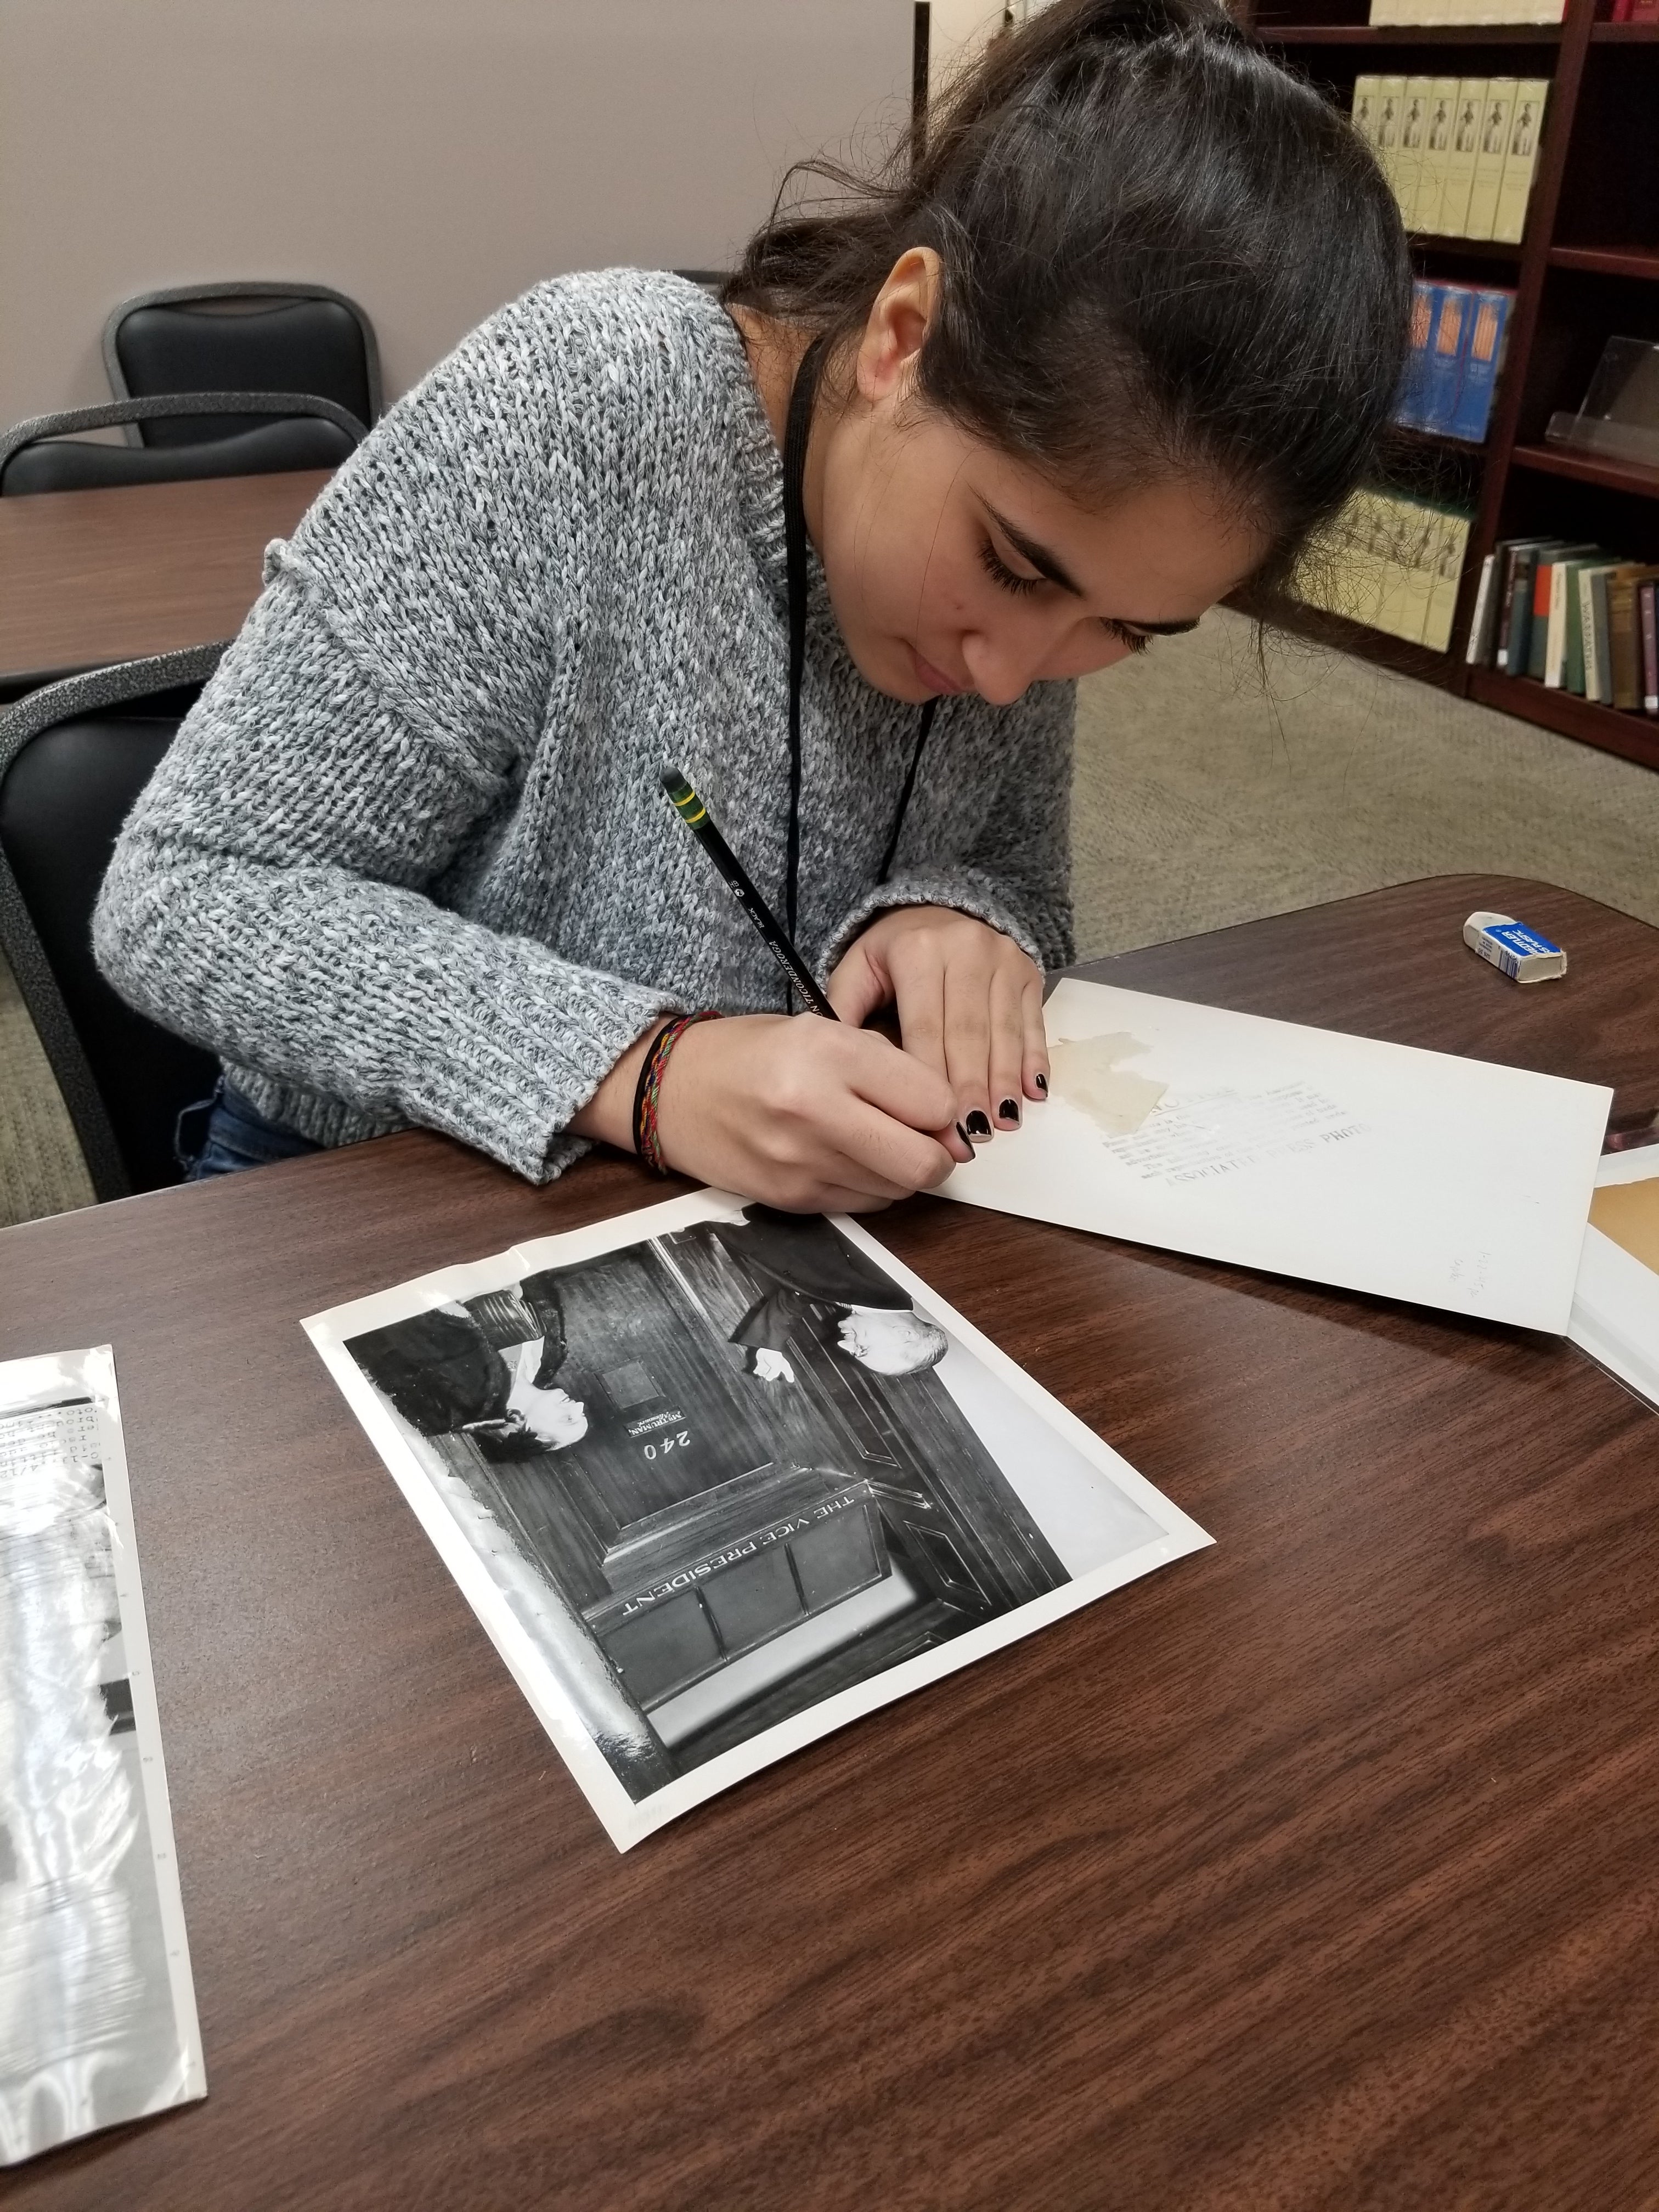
x=797 y=429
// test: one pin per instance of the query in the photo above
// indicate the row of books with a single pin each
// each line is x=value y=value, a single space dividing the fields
x=1459 y=152
x=1573 y=617
x=1393 y=563
x=1457 y=350
x=1635 y=11
x=1468 y=11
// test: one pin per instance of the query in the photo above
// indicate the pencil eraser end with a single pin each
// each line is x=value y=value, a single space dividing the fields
x=1522 y=954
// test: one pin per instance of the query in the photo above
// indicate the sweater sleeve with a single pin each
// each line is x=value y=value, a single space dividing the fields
x=1014 y=869
x=277 y=893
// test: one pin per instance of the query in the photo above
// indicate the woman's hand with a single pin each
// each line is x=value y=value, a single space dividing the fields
x=815 y=1116
x=969 y=1005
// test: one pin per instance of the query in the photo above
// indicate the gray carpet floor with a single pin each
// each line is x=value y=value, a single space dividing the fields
x=1210 y=789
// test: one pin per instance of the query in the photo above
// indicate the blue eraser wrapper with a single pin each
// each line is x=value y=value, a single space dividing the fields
x=1524 y=955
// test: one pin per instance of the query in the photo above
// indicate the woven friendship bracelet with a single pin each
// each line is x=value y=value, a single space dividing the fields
x=649 y=1088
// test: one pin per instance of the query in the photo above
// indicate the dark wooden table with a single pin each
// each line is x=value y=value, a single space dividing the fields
x=87 y=577
x=1320 y=1870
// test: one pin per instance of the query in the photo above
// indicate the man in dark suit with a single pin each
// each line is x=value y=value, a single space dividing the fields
x=812 y=1280
x=443 y=1372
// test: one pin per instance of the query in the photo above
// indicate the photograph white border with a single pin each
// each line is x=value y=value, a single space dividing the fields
x=625 y=1821
x=1615 y=1302
x=38 y=1380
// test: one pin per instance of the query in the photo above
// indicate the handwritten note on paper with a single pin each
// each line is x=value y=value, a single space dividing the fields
x=1340 y=1159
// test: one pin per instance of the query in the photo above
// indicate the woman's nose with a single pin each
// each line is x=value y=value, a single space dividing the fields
x=1001 y=669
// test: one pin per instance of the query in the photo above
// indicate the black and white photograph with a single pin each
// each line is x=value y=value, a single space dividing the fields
x=718 y=1479
x=97 y=2015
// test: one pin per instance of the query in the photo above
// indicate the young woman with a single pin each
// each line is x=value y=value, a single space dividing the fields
x=1109 y=348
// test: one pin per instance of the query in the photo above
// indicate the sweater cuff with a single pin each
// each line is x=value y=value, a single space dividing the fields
x=966 y=891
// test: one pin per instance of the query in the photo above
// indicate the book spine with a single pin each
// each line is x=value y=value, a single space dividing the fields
x=1495 y=120
x=1441 y=120
x=1622 y=650
x=1390 y=97
x=1537 y=635
x=1555 y=643
x=1598 y=673
x=1409 y=174
x=1446 y=357
x=1505 y=607
x=1589 y=689
x=1644 y=11
x=1573 y=675
x=1448 y=545
x=1480 y=623
x=1649 y=627
x=1519 y=637
x=1478 y=384
x=1459 y=183
x=1509 y=222
x=1411 y=408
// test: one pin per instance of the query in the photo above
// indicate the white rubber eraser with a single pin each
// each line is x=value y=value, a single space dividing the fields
x=1518 y=952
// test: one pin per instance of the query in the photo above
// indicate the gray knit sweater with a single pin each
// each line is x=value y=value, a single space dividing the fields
x=408 y=860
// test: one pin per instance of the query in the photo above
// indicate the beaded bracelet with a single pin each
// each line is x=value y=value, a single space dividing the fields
x=648 y=1089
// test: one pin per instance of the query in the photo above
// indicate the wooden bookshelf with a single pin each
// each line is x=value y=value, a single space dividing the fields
x=1587 y=269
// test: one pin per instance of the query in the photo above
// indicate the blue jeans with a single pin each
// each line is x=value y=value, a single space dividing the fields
x=234 y=1135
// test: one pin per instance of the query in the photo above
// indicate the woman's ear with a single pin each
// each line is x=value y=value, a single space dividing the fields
x=896 y=325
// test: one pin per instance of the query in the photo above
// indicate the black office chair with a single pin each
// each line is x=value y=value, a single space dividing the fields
x=242 y=338
x=43 y=454
x=74 y=757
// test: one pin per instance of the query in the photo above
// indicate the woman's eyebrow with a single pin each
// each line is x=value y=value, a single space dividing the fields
x=1046 y=565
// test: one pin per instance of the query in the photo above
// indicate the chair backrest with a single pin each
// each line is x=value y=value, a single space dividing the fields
x=43 y=454
x=242 y=338
x=74 y=757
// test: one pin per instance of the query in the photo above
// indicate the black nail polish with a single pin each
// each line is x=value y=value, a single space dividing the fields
x=1009 y=1110
x=963 y=1134
x=1042 y=1083
x=979 y=1124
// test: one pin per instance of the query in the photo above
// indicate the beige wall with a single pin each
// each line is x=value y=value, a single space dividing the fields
x=430 y=157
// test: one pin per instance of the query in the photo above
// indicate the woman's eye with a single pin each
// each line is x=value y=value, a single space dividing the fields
x=1136 y=640
x=999 y=573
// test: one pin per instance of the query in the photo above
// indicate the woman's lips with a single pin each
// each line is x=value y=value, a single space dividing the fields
x=935 y=678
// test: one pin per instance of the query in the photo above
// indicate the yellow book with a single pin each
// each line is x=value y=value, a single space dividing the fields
x=1390 y=97
x=1364 y=113
x=1418 y=527
x=1442 y=115
x=1493 y=144
x=1449 y=544
x=1409 y=160
x=1520 y=159
x=1459 y=180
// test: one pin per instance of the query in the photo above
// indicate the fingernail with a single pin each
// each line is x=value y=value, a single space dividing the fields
x=1042 y=1083
x=1009 y=1110
x=963 y=1134
x=979 y=1124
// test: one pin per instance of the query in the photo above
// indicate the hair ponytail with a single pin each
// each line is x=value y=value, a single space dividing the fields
x=1161 y=253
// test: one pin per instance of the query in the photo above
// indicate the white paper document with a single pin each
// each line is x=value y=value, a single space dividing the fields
x=97 y=2014
x=716 y=1480
x=1616 y=1307
x=1307 y=1152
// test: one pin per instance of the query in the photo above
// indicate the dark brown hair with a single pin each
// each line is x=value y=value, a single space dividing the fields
x=1161 y=254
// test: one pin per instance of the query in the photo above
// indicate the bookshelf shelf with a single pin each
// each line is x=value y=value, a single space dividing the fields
x=1476 y=249
x=1589 y=469
x=1320 y=627
x=1640 y=262
x=1434 y=442
x=1412 y=34
x=1634 y=735
x=1597 y=173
